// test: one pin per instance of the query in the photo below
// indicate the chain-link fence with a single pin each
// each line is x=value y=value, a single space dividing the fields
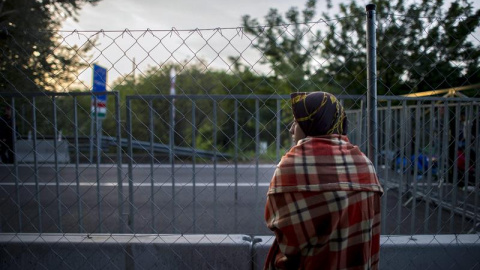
x=196 y=121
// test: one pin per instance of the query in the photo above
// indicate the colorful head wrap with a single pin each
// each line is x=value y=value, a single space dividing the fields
x=319 y=113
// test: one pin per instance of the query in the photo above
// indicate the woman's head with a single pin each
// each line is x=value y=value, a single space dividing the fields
x=318 y=113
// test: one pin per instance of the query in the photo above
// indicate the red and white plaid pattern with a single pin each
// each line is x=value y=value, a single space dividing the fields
x=324 y=207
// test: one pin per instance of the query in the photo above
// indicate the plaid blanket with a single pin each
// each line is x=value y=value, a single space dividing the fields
x=324 y=206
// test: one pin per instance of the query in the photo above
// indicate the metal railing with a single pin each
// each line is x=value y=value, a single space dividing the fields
x=171 y=185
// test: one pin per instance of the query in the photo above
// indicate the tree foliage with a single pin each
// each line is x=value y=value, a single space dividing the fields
x=33 y=57
x=287 y=44
x=422 y=46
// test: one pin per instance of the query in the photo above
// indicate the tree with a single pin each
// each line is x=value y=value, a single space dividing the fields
x=287 y=44
x=421 y=46
x=32 y=56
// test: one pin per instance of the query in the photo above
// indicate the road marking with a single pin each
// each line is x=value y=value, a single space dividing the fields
x=113 y=184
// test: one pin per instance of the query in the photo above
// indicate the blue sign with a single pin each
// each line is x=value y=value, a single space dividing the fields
x=100 y=82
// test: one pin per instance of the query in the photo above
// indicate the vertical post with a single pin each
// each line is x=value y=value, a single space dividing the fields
x=119 y=163
x=279 y=136
x=468 y=142
x=445 y=148
x=23 y=120
x=55 y=157
x=130 y=169
x=35 y=165
x=388 y=128
x=416 y=156
x=171 y=156
x=93 y=123
x=235 y=160
x=257 y=142
x=173 y=76
x=257 y=150
x=372 y=85
x=408 y=153
x=215 y=202
x=15 y=164
x=152 y=160
x=97 y=165
x=194 y=162
x=430 y=169
x=363 y=126
x=358 y=126
x=477 y=165
x=455 y=168
x=402 y=117
x=77 y=161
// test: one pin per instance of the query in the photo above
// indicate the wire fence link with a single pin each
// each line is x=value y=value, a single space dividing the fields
x=196 y=121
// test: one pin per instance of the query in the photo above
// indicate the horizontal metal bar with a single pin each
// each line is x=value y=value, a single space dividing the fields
x=145 y=184
x=400 y=98
x=223 y=97
x=57 y=94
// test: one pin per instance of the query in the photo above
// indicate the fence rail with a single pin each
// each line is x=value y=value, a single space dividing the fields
x=172 y=183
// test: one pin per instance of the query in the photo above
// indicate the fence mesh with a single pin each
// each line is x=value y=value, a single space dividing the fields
x=196 y=121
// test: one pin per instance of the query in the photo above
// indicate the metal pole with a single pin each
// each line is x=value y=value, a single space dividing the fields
x=257 y=143
x=235 y=160
x=119 y=163
x=55 y=157
x=215 y=208
x=77 y=161
x=416 y=155
x=152 y=161
x=171 y=157
x=468 y=142
x=430 y=168
x=92 y=123
x=477 y=166
x=35 y=165
x=372 y=85
x=402 y=117
x=279 y=121
x=388 y=128
x=257 y=152
x=194 y=161
x=173 y=76
x=455 y=168
x=131 y=214
x=445 y=161
x=97 y=165
x=15 y=165
x=363 y=126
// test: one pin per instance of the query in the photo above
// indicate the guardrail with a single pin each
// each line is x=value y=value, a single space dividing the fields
x=127 y=251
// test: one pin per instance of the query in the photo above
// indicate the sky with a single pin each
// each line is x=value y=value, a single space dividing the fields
x=181 y=14
x=117 y=51
x=120 y=52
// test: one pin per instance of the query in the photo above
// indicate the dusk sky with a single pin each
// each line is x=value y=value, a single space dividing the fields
x=181 y=14
x=116 y=51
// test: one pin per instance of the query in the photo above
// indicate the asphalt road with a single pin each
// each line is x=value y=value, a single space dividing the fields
x=163 y=199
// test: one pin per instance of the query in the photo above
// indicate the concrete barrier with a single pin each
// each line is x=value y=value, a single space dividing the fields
x=411 y=252
x=45 y=151
x=79 y=251
x=97 y=251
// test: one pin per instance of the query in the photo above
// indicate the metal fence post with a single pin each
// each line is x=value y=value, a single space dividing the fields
x=77 y=161
x=35 y=164
x=15 y=166
x=372 y=85
x=120 y=199
x=55 y=157
x=131 y=214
